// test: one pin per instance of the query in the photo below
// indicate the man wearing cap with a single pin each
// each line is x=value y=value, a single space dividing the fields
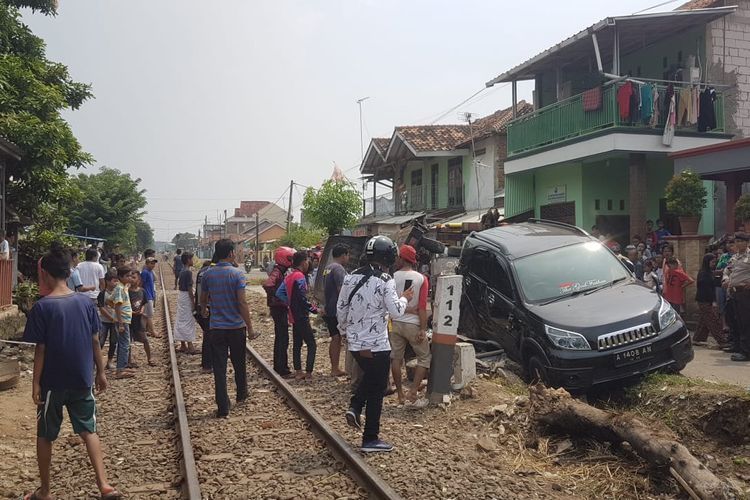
x=149 y=294
x=411 y=328
x=737 y=280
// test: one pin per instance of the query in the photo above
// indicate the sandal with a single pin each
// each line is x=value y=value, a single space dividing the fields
x=124 y=374
x=254 y=336
x=133 y=365
x=111 y=494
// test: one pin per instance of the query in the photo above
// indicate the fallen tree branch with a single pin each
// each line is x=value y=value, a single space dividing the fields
x=654 y=442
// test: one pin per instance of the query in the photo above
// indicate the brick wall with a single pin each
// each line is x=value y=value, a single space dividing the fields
x=728 y=62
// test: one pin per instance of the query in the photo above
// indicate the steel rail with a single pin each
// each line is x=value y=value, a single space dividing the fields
x=191 y=485
x=355 y=465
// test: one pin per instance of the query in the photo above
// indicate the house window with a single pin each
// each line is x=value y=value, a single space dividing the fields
x=455 y=183
x=415 y=191
x=597 y=205
x=622 y=204
x=609 y=204
x=434 y=192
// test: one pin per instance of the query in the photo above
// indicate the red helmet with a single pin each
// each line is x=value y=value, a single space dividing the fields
x=283 y=256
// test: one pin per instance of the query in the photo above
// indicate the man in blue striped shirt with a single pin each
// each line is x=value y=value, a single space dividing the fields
x=223 y=290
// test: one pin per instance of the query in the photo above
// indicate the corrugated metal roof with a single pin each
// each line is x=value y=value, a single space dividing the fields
x=636 y=31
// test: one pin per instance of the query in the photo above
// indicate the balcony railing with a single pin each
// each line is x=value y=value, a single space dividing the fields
x=566 y=120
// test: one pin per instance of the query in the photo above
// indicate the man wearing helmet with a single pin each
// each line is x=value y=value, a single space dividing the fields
x=367 y=298
x=279 y=312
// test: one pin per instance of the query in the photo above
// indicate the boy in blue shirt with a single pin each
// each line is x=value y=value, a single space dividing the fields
x=65 y=327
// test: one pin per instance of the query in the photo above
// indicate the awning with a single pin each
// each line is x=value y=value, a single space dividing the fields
x=635 y=32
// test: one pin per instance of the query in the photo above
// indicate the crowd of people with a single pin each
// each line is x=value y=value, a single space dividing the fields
x=722 y=283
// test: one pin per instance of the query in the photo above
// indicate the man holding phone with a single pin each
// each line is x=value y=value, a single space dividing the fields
x=411 y=328
x=367 y=298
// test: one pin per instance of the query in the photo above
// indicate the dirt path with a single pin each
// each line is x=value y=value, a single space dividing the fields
x=715 y=366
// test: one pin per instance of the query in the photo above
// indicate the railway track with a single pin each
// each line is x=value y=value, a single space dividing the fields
x=272 y=446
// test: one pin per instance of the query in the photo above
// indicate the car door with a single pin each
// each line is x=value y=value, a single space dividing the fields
x=500 y=305
x=473 y=293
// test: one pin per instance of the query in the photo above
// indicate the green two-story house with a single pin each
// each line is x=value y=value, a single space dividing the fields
x=595 y=149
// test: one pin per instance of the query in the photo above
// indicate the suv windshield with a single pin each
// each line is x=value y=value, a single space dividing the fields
x=567 y=270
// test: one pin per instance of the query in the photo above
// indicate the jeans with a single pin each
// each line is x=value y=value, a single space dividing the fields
x=234 y=342
x=108 y=331
x=123 y=347
x=302 y=331
x=206 y=362
x=742 y=312
x=370 y=391
x=280 y=340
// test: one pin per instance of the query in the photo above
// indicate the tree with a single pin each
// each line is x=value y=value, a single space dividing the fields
x=333 y=207
x=110 y=207
x=300 y=237
x=33 y=92
x=144 y=235
x=186 y=241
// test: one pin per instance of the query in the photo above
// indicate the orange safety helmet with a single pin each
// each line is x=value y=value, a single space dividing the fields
x=283 y=256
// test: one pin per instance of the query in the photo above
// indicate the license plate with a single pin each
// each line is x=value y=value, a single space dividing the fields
x=633 y=355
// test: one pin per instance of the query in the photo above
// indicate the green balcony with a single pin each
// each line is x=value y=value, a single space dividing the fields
x=566 y=121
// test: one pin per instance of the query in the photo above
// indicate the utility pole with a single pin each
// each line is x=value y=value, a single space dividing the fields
x=257 y=238
x=289 y=212
x=225 y=223
x=467 y=116
x=362 y=153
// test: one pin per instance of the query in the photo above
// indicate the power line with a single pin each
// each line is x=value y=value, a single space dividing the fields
x=654 y=7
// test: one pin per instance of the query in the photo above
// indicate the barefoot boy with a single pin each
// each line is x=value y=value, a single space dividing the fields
x=65 y=327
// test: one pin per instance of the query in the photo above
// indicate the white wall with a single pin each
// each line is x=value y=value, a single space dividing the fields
x=485 y=172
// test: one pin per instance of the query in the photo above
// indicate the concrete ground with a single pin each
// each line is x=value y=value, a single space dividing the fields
x=715 y=365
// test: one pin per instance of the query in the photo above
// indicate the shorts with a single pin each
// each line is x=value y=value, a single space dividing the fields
x=136 y=330
x=333 y=325
x=406 y=333
x=81 y=407
x=148 y=309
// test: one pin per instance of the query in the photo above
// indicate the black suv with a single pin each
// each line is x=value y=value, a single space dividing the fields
x=565 y=307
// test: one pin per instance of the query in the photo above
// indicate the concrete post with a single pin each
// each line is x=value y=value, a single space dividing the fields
x=638 y=195
x=445 y=333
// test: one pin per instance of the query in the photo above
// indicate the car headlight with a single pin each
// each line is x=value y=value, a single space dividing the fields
x=566 y=340
x=667 y=315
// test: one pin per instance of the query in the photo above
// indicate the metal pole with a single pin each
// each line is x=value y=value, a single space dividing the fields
x=289 y=213
x=226 y=229
x=362 y=154
x=257 y=239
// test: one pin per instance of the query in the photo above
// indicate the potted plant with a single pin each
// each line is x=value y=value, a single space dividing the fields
x=686 y=198
x=742 y=211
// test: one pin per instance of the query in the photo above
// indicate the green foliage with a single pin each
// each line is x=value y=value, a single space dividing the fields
x=186 y=241
x=686 y=195
x=144 y=235
x=300 y=237
x=110 y=207
x=49 y=225
x=25 y=294
x=742 y=208
x=333 y=207
x=33 y=92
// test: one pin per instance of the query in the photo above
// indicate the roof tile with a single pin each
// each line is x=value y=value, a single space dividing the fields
x=700 y=4
x=425 y=138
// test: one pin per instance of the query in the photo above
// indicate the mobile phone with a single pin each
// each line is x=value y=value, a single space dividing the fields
x=407 y=284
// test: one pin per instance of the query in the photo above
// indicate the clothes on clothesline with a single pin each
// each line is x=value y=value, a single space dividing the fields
x=707 y=112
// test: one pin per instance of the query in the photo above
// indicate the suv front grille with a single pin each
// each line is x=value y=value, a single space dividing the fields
x=625 y=337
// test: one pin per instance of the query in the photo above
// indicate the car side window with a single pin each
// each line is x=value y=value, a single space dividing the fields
x=498 y=278
x=478 y=264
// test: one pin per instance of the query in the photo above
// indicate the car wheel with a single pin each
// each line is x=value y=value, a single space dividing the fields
x=536 y=370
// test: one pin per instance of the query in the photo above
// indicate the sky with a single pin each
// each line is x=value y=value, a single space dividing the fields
x=210 y=103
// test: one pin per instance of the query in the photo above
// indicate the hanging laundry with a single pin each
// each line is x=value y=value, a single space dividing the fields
x=695 y=93
x=647 y=103
x=656 y=114
x=667 y=99
x=707 y=116
x=685 y=107
x=592 y=99
x=635 y=104
x=669 y=126
x=623 y=100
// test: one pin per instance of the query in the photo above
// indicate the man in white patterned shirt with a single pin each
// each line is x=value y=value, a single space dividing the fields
x=367 y=297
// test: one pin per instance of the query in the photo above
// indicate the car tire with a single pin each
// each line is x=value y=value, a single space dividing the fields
x=536 y=370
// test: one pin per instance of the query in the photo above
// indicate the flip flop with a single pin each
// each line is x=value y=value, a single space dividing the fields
x=111 y=494
x=254 y=336
x=125 y=375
